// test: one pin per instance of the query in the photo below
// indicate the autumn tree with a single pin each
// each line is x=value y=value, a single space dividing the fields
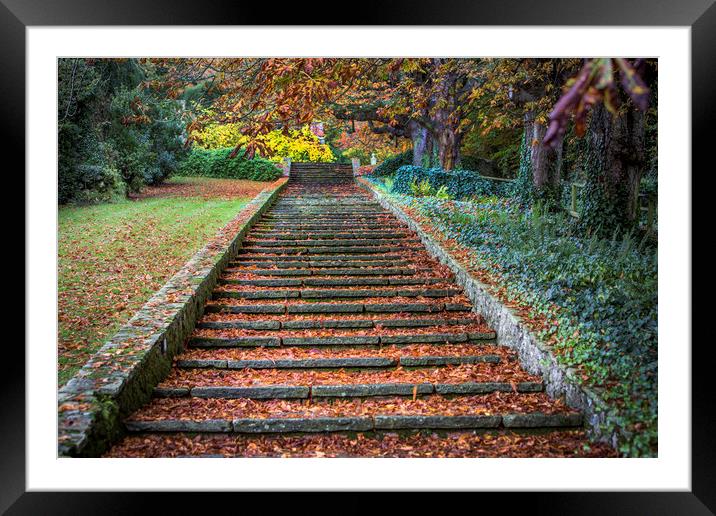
x=423 y=99
x=608 y=100
x=521 y=92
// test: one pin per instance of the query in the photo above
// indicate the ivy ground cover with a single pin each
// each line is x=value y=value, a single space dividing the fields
x=594 y=301
x=113 y=257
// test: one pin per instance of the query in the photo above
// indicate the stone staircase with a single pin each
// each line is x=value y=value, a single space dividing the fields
x=333 y=319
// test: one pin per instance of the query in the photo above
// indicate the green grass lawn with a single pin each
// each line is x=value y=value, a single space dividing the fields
x=113 y=257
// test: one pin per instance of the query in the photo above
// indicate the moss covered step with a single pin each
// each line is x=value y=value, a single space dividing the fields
x=319 y=323
x=340 y=340
x=302 y=271
x=271 y=282
x=249 y=258
x=333 y=293
x=296 y=282
x=270 y=293
x=246 y=260
x=329 y=219
x=327 y=226
x=336 y=211
x=306 y=363
x=328 y=235
x=364 y=390
x=328 y=282
x=325 y=214
x=287 y=272
x=322 y=264
x=297 y=242
x=358 y=249
x=354 y=226
x=356 y=423
x=338 y=362
x=235 y=342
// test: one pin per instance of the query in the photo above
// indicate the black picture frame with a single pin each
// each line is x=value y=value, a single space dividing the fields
x=700 y=15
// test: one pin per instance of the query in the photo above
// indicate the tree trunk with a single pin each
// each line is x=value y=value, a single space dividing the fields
x=429 y=160
x=541 y=157
x=545 y=167
x=420 y=137
x=448 y=148
x=446 y=120
x=615 y=163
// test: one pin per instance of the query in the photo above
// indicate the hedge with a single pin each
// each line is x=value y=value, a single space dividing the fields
x=391 y=165
x=459 y=183
x=217 y=163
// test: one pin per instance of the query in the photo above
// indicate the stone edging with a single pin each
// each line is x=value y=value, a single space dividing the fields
x=535 y=356
x=120 y=377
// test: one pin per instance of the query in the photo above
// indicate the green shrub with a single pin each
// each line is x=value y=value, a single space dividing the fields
x=93 y=177
x=259 y=169
x=112 y=131
x=145 y=134
x=97 y=183
x=425 y=189
x=422 y=189
x=443 y=194
x=459 y=184
x=391 y=165
x=217 y=163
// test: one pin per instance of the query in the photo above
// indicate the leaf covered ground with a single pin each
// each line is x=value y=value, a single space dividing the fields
x=571 y=443
x=495 y=403
x=113 y=257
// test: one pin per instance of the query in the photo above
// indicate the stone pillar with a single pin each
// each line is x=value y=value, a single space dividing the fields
x=286 y=167
x=356 y=165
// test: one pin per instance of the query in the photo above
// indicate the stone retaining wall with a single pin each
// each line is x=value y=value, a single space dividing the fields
x=535 y=356
x=120 y=377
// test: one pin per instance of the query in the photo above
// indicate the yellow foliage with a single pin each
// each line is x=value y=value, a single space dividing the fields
x=219 y=136
x=299 y=144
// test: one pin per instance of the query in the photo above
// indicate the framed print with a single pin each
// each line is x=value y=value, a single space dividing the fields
x=416 y=252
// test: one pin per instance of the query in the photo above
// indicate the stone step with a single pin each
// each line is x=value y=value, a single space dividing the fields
x=353 y=271
x=378 y=292
x=371 y=218
x=336 y=250
x=314 y=226
x=338 y=362
x=254 y=242
x=318 y=323
x=343 y=390
x=328 y=211
x=323 y=282
x=325 y=215
x=328 y=235
x=248 y=258
x=316 y=265
x=333 y=293
x=346 y=201
x=336 y=308
x=357 y=423
x=342 y=340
